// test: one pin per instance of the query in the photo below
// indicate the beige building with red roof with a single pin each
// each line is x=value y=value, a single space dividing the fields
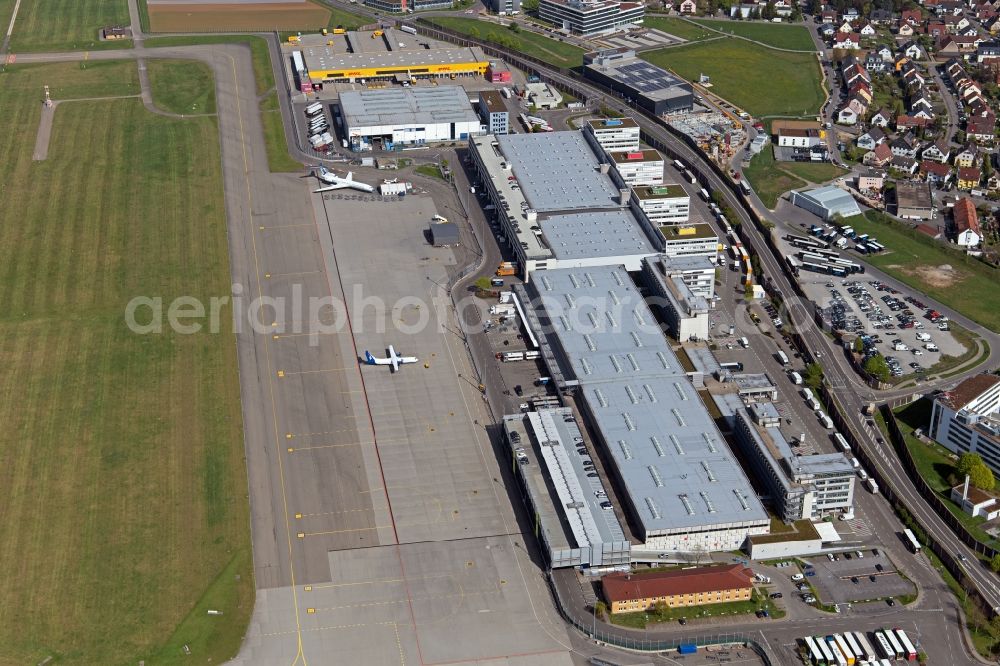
x=631 y=593
x=967 y=419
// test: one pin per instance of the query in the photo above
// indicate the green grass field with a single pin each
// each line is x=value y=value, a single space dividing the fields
x=767 y=180
x=278 y=159
x=124 y=505
x=182 y=86
x=676 y=27
x=263 y=74
x=66 y=25
x=338 y=17
x=760 y=80
x=910 y=257
x=778 y=35
x=552 y=51
x=814 y=172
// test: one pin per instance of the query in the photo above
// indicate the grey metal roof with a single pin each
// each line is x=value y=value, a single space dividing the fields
x=677 y=469
x=598 y=234
x=833 y=199
x=558 y=171
x=653 y=82
x=324 y=58
x=406 y=106
x=445 y=233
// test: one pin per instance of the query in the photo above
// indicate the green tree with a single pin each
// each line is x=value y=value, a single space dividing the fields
x=600 y=609
x=877 y=367
x=967 y=462
x=748 y=292
x=530 y=5
x=474 y=33
x=514 y=26
x=859 y=346
x=981 y=477
x=814 y=376
x=995 y=565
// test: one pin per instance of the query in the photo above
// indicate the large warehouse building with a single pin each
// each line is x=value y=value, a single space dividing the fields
x=672 y=471
x=826 y=202
x=356 y=56
x=654 y=89
x=560 y=203
x=396 y=117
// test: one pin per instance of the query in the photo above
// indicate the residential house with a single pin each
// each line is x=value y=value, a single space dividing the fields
x=828 y=15
x=951 y=7
x=850 y=14
x=879 y=157
x=921 y=100
x=992 y=24
x=968 y=156
x=854 y=73
x=988 y=51
x=795 y=137
x=903 y=164
x=881 y=118
x=866 y=29
x=905 y=30
x=871 y=180
x=846 y=40
x=873 y=137
x=979 y=129
x=845 y=26
x=905 y=145
x=968 y=43
x=947 y=46
x=936 y=29
x=965 y=223
x=993 y=182
x=875 y=64
x=928 y=230
x=880 y=16
x=969 y=177
x=863 y=90
x=939 y=151
x=847 y=116
x=827 y=30
x=913 y=51
x=969 y=31
x=910 y=17
x=962 y=25
x=910 y=122
x=884 y=52
x=688 y=7
x=935 y=173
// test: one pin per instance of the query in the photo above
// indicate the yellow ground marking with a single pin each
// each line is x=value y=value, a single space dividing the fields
x=281 y=373
x=399 y=644
x=303 y=535
x=331 y=628
x=307 y=588
x=298 y=515
x=330 y=513
x=287 y=226
x=292 y=449
x=380 y=581
x=300 y=654
x=313 y=434
x=313 y=372
x=297 y=274
x=302 y=335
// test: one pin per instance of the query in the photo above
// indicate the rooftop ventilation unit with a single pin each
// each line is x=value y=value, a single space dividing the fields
x=656 y=445
x=626 y=451
x=677 y=444
x=653 y=472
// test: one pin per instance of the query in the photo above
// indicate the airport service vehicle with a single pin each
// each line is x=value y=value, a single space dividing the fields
x=506 y=268
x=313 y=109
x=841 y=442
x=703 y=193
x=744 y=343
x=394 y=359
x=505 y=309
x=872 y=486
x=796 y=377
x=335 y=182
x=783 y=357
x=733 y=366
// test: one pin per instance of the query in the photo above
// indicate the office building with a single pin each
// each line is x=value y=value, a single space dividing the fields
x=800 y=486
x=673 y=472
x=591 y=17
x=966 y=419
x=663 y=205
x=493 y=112
x=504 y=7
x=672 y=284
x=690 y=240
x=573 y=529
x=638 y=167
x=677 y=588
x=651 y=88
x=394 y=117
x=613 y=134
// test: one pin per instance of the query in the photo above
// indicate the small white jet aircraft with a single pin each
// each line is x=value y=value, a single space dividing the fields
x=394 y=359
x=338 y=182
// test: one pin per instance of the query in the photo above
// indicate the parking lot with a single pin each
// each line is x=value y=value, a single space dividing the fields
x=850 y=579
x=896 y=325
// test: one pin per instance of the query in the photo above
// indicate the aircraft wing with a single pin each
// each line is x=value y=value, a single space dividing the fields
x=408 y=359
x=336 y=186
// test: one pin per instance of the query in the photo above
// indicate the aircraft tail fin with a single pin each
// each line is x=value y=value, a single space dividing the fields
x=369 y=358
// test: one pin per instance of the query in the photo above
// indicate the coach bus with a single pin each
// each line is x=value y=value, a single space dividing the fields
x=911 y=541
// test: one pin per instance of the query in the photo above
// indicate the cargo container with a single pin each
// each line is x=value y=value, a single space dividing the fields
x=687 y=648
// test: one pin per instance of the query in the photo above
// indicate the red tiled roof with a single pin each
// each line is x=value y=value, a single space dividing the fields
x=936 y=168
x=968 y=390
x=928 y=230
x=627 y=587
x=966 y=218
x=969 y=173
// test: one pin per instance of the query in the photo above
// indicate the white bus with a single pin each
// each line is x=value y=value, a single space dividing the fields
x=872 y=486
x=841 y=442
x=911 y=541
x=313 y=108
x=783 y=357
x=531 y=355
x=512 y=356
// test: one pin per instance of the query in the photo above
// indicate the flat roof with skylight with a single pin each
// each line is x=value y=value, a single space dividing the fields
x=598 y=234
x=678 y=471
x=688 y=231
x=666 y=191
x=558 y=171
